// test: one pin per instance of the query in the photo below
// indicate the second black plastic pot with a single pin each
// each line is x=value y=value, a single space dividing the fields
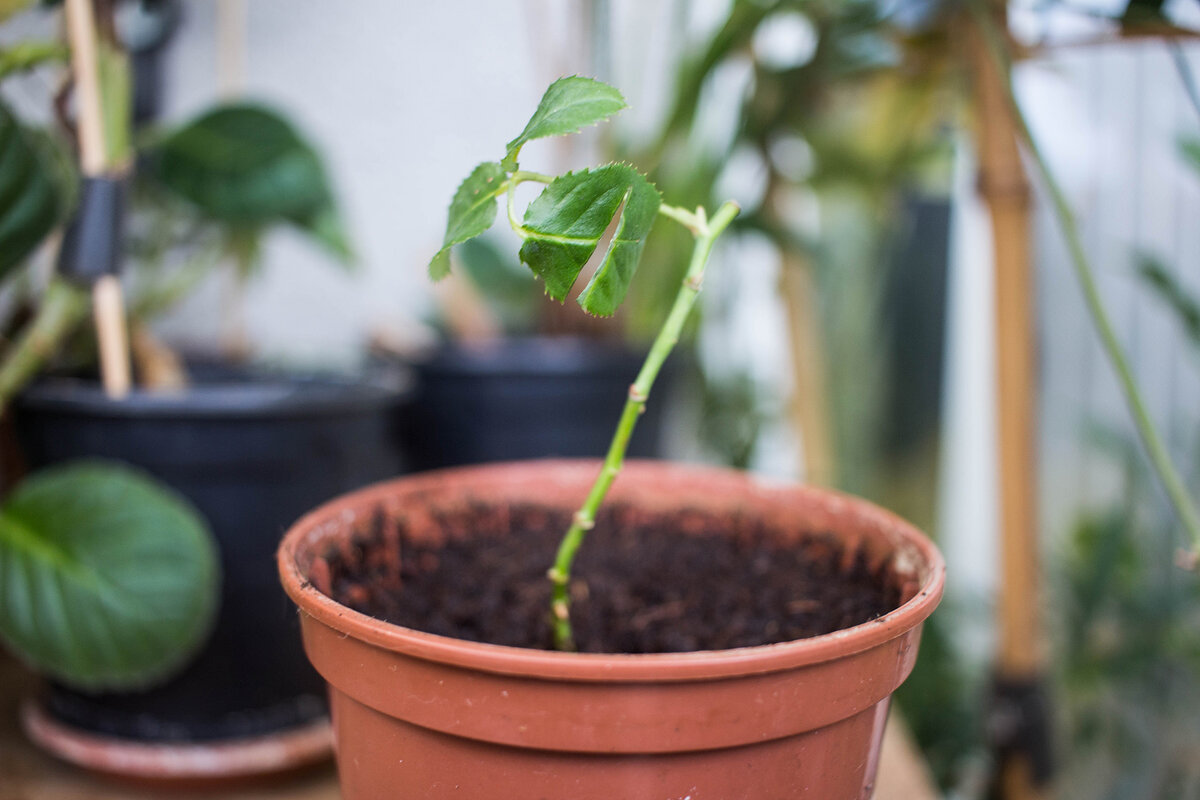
x=251 y=454
x=526 y=398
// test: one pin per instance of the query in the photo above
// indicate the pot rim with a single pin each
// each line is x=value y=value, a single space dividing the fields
x=255 y=395
x=609 y=667
x=528 y=357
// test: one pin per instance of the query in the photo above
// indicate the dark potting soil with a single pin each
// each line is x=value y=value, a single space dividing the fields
x=642 y=583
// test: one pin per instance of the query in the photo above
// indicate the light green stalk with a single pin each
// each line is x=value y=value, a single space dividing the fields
x=706 y=232
x=60 y=311
x=1155 y=448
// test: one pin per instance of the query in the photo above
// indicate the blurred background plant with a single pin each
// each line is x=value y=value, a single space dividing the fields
x=1127 y=618
x=203 y=195
x=205 y=192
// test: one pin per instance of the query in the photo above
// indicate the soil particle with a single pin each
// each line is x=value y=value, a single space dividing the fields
x=643 y=583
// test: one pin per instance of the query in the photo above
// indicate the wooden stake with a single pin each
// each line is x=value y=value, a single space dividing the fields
x=108 y=304
x=231 y=47
x=809 y=404
x=85 y=63
x=1006 y=191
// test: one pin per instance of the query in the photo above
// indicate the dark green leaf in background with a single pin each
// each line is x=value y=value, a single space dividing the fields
x=107 y=581
x=1189 y=148
x=32 y=198
x=245 y=165
x=564 y=225
x=504 y=284
x=1185 y=306
x=472 y=212
x=567 y=106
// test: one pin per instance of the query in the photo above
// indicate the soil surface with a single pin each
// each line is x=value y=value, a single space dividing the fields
x=642 y=583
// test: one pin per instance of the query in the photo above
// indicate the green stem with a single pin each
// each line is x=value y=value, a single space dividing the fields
x=706 y=234
x=61 y=309
x=519 y=177
x=1155 y=448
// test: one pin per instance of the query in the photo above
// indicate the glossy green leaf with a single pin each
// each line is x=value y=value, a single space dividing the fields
x=567 y=106
x=245 y=165
x=564 y=225
x=107 y=581
x=32 y=198
x=472 y=212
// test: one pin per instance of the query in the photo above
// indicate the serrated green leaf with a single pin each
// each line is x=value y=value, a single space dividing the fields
x=563 y=227
x=32 y=199
x=107 y=580
x=472 y=211
x=566 y=107
x=245 y=165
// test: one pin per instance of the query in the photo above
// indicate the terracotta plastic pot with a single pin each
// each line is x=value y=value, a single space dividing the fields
x=424 y=716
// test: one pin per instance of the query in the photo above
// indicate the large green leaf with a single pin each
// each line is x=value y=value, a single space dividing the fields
x=563 y=226
x=568 y=105
x=245 y=165
x=472 y=212
x=107 y=581
x=32 y=199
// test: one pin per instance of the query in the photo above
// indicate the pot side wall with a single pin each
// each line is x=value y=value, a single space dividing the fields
x=423 y=716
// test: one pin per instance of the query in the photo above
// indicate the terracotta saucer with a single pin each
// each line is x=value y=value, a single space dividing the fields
x=221 y=761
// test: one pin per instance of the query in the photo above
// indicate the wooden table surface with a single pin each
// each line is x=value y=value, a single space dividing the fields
x=28 y=774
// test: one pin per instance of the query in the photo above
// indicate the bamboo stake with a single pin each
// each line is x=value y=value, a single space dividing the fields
x=232 y=31
x=231 y=47
x=1006 y=191
x=809 y=403
x=107 y=301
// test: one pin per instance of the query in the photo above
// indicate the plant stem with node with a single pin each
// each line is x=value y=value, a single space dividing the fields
x=1160 y=458
x=706 y=232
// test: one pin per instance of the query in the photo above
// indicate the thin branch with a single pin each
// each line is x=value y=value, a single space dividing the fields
x=1155 y=448
x=639 y=392
x=60 y=311
x=1186 y=76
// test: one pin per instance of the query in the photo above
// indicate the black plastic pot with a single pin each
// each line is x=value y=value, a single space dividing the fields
x=526 y=398
x=252 y=454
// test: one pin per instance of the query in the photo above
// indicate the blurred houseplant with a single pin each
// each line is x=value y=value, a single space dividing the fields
x=250 y=449
x=1128 y=651
x=928 y=65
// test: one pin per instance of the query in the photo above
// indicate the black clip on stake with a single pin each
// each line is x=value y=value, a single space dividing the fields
x=92 y=244
x=1018 y=725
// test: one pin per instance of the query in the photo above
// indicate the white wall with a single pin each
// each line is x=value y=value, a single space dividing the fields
x=403 y=99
